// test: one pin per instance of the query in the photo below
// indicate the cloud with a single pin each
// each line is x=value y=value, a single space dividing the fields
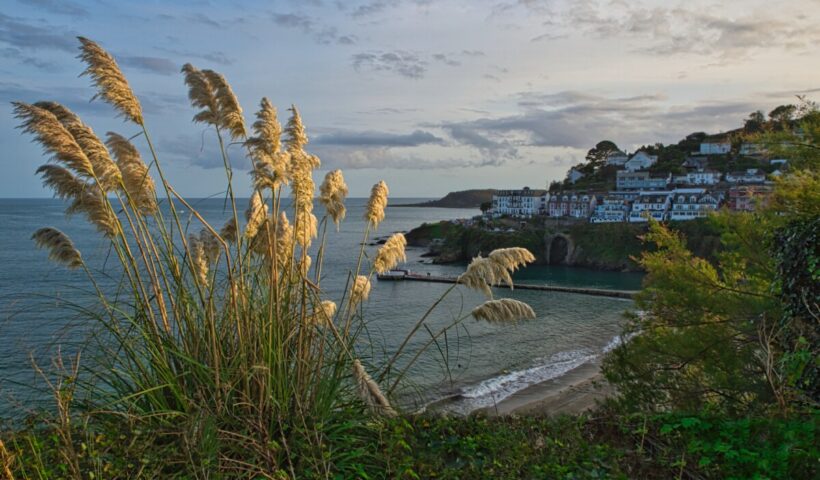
x=321 y=34
x=215 y=56
x=16 y=54
x=440 y=57
x=578 y=120
x=200 y=151
x=680 y=30
x=378 y=139
x=406 y=64
x=381 y=157
x=61 y=7
x=160 y=66
x=17 y=33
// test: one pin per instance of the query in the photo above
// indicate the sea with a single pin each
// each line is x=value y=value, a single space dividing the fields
x=476 y=365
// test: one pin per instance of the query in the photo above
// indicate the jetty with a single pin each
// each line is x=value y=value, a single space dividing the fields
x=406 y=275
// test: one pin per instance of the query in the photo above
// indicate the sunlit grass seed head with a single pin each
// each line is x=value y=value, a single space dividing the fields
x=229 y=111
x=105 y=170
x=505 y=310
x=370 y=392
x=324 y=314
x=332 y=194
x=111 y=84
x=360 y=290
x=229 y=230
x=374 y=212
x=201 y=94
x=136 y=179
x=54 y=138
x=295 y=129
x=93 y=203
x=198 y=259
x=483 y=272
x=60 y=248
x=64 y=184
x=390 y=254
x=270 y=163
x=255 y=215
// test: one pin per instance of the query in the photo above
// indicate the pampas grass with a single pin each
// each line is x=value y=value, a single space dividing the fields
x=53 y=136
x=360 y=290
x=390 y=254
x=109 y=80
x=505 y=310
x=332 y=195
x=60 y=248
x=105 y=171
x=216 y=340
x=374 y=212
x=370 y=392
x=136 y=181
x=482 y=273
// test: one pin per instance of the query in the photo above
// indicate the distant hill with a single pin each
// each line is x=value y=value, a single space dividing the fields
x=462 y=199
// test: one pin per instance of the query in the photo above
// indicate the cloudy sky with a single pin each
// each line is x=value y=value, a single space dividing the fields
x=430 y=95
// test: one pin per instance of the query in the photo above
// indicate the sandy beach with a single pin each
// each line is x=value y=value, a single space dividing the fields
x=575 y=392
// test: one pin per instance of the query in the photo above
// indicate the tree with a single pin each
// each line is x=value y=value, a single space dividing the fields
x=486 y=206
x=754 y=122
x=738 y=333
x=597 y=155
x=783 y=114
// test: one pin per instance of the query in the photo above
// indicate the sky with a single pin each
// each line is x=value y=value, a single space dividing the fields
x=430 y=96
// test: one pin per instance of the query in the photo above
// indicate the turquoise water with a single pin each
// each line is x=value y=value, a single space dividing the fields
x=484 y=363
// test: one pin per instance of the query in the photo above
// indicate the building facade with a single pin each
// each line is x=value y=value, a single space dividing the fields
x=751 y=175
x=626 y=180
x=689 y=206
x=519 y=203
x=640 y=161
x=650 y=204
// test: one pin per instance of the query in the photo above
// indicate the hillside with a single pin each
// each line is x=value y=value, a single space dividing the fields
x=461 y=199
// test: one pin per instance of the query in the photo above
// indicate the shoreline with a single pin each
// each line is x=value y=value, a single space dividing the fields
x=577 y=391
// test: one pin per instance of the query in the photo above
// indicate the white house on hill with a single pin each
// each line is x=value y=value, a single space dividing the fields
x=573 y=175
x=715 y=146
x=640 y=161
x=653 y=204
x=688 y=206
x=617 y=158
x=699 y=177
x=751 y=175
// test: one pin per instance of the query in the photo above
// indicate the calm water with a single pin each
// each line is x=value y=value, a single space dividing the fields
x=486 y=362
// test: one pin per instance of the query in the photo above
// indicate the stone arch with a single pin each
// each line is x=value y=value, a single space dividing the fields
x=560 y=248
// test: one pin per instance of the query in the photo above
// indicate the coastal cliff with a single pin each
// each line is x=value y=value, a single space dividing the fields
x=603 y=246
x=460 y=199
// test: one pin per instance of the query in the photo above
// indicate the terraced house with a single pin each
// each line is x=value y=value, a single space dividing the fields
x=520 y=203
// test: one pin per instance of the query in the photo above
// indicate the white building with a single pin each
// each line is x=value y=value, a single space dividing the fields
x=640 y=161
x=573 y=175
x=750 y=175
x=715 y=146
x=617 y=158
x=611 y=209
x=625 y=180
x=520 y=203
x=689 y=205
x=698 y=177
x=653 y=204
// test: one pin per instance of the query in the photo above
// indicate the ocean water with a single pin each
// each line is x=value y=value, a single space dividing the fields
x=478 y=363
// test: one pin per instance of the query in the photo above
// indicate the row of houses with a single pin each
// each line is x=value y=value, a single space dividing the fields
x=645 y=180
x=678 y=204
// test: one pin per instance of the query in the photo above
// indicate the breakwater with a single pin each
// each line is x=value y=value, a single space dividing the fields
x=599 y=292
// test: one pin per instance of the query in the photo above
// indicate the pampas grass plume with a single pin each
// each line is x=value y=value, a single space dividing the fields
x=360 y=290
x=53 y=136
x=137 y=182
x=390 y=254
x=60 y=248
x=374 y=212
x=504 y=310
x=370 y=392
x=229 y=112
x=270 y=164
x=228 y=230
x=109 y=80
x=105 y=170
x=65 y=185
x=256 y=214
x=332 y=195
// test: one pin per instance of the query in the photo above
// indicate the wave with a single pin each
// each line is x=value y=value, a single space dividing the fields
x=494 y=390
